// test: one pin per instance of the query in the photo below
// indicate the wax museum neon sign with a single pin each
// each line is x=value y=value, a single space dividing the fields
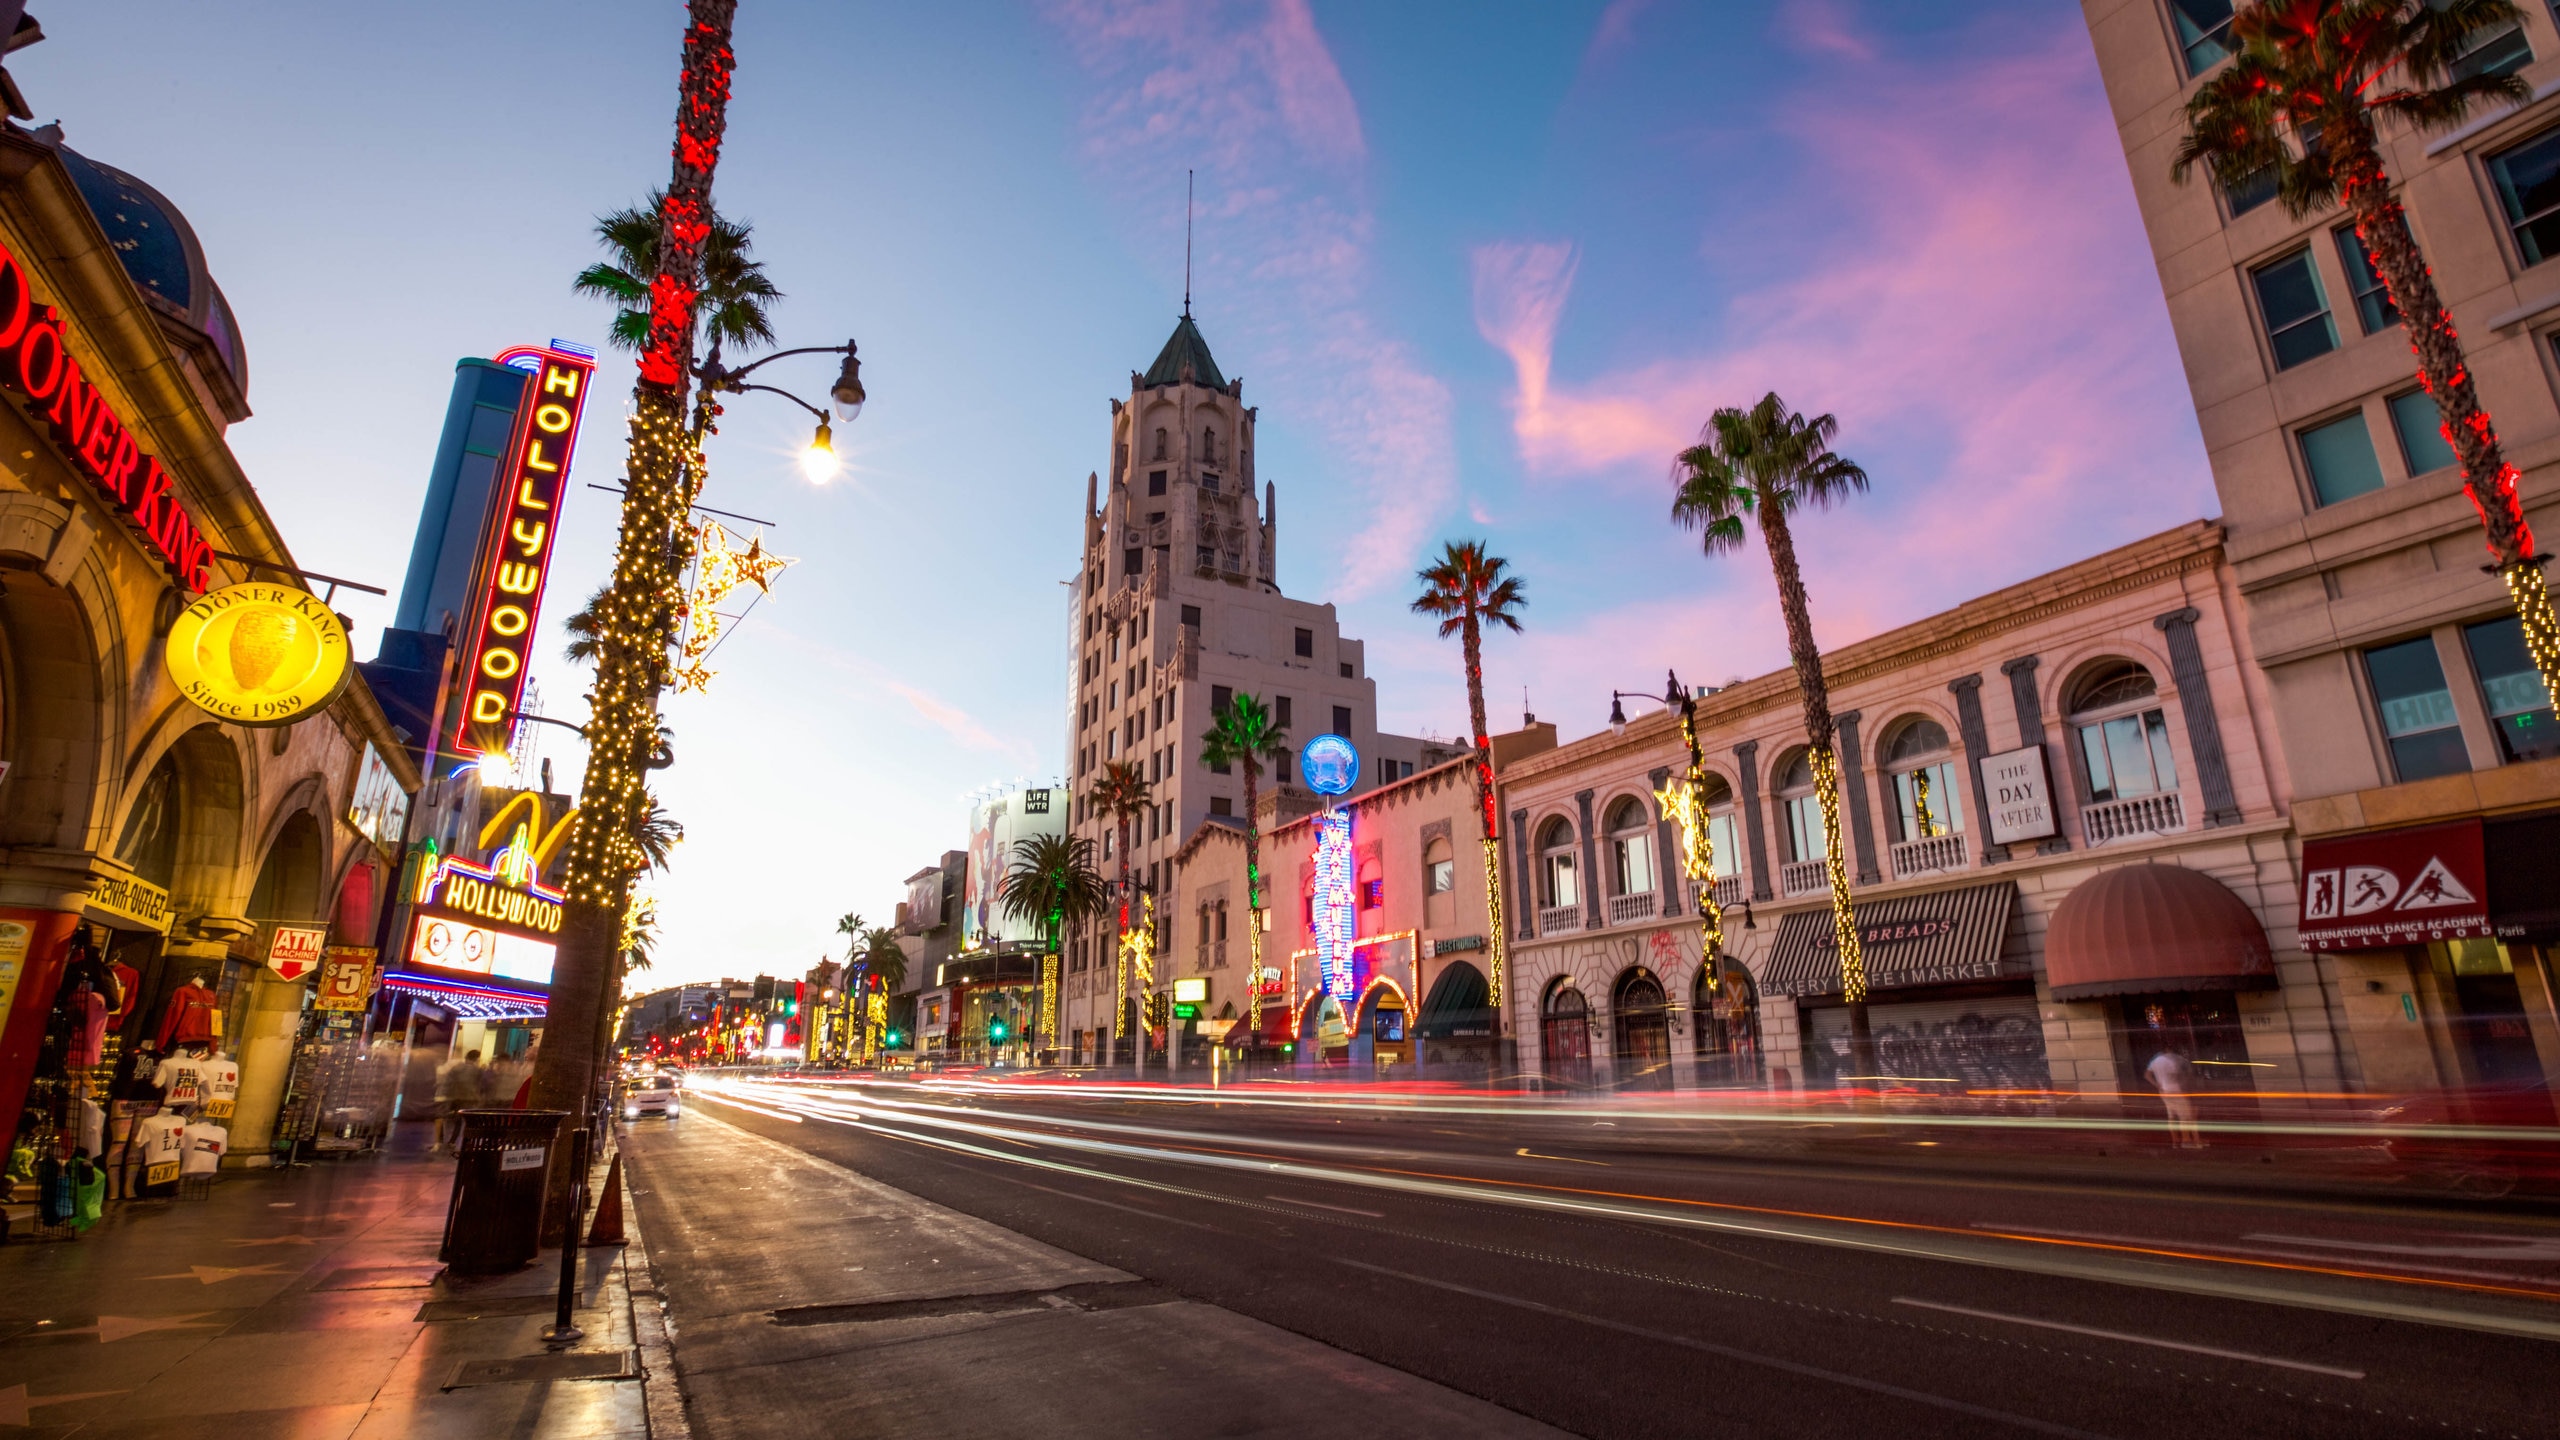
x=516 y=544
x=1330 y=767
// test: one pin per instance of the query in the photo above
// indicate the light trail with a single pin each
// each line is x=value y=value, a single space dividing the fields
x=2109 y=1262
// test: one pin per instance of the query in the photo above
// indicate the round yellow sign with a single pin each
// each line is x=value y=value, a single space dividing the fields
x=259 y=654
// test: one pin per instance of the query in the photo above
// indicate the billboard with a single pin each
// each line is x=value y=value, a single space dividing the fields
x=996 y=825
x=380 y=809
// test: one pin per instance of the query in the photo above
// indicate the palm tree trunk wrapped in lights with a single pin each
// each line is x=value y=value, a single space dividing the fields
x=1765 y=463
x=1466 y=589
x=2297 y=102
x=1121 y=792
x=1245 y=734
x=1685 y=805
x=639 y=605
x=1051 y=881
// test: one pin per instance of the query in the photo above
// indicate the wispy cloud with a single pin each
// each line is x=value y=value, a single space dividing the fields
x=1979 y=309
x=1249 y=94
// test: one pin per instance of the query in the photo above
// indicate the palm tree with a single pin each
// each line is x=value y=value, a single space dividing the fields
x=640 y=935
x=1052 y=883
x=1467 y=590
x=1768 y=462
x=1121 y=792
x=2320 y=71
x=736 y=295
x=586 y=629
x=882 y=958
x=656 y=836
x=1242 y=734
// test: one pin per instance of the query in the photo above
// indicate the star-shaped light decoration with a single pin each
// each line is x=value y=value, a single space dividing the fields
x=719 y=571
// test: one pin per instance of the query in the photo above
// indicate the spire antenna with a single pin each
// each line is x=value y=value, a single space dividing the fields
x=1186 y=244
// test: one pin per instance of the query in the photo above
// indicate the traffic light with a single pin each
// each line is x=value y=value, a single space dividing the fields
x=997 y=1030
x=892 y=1039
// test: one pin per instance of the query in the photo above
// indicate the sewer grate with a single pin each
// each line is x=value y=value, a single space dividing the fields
x=435 y=1310
x=560 y=1365
x=381 y=1277
x=1100 y=1295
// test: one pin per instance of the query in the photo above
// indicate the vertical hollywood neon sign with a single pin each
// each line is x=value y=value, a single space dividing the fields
x=1329 y=766
x=516 y=543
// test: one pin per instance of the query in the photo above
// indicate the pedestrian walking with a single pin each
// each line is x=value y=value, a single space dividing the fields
x=460 y=1085
x=2171 y=1075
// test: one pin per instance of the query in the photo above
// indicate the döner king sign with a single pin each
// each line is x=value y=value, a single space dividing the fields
x=516 y=544
x=36 y=362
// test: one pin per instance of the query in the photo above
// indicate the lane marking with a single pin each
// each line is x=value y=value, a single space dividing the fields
x=1792 y=1367
x=1320 y=1205
x=2224 y=1248
x=1569 y=1160
x=2306 y=1365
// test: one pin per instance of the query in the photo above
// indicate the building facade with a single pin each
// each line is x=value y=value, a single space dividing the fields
x=2066 y=823
x=1175 y=608
x=140 y=836
x=2401 y=692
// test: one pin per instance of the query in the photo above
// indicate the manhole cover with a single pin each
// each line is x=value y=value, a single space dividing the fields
x=381 y=1277
x=563 y=1365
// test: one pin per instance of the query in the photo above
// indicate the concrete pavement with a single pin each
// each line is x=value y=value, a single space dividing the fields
x=804 y=1298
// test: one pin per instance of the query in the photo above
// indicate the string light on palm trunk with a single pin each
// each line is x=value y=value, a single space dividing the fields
x=1844 y=925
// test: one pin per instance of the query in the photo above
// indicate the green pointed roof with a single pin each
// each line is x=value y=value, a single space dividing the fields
x=1185 y=348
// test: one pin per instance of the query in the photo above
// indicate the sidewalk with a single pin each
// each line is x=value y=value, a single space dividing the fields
x=305 y=1303
x=807 y=1299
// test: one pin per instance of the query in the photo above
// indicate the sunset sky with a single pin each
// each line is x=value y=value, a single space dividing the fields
x=1483 y=267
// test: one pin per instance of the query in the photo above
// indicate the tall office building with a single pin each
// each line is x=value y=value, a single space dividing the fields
x=1176 y=608
x=2409 y=713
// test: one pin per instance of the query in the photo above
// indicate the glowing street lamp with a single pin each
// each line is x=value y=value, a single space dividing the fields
x=818 y=462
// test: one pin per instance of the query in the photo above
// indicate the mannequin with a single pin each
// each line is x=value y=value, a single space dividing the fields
x=189 y=1020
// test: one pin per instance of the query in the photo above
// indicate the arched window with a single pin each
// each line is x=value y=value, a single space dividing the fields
x=1560 y=884
x=2124 y=736
x=1630 y=832
x=1808 y=838
x=1161 y=440
x=1917 y=755
x=1439 y=866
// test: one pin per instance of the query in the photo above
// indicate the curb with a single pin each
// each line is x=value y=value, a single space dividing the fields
x=661 y=1388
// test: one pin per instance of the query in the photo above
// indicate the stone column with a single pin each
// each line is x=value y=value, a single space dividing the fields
x=2022 y=696
x=1590 y=862
x=2204 y=731
x=1664 y=846
x=1754 y=823
x=1524 y=890
x=1977 y=743
x=1862 y=840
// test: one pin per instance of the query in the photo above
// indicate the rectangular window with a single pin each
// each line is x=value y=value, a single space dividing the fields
x=1209 y=483
x=2421 y=432
x=2128 y=756
x=1280 y=767
x=2417 y=709
x=2204 y=31
x=1342 y=720
x=1191 y=616
x=1631 y=856
x=1348 y=673
x=1155 y=482
x=2296 y=311
x=1373 y=894
x=2528 y=183
x=1807 y=837
x=1929 y=802
x=2491 y=50
x=2340 y=458
x=1220 y=804
x=1133 y=561
x=1561 y=887
x=2251 y=193
x=2519 y=706
x=1444 y=876
x=1220 y=696
x=2373 y=301
x=1307 y=643
x=1721 y=846
x=1280 y=711
x=1208 y=558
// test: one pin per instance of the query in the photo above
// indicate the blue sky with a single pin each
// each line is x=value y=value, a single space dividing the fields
x=1483 y=266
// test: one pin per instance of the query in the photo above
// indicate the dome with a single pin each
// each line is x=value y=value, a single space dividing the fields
x=158 y=249
x=2150 y=929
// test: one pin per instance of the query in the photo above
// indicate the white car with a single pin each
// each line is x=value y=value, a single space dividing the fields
x=656 y=1095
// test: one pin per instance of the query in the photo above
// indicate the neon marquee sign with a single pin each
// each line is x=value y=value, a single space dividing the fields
x=1330 y=767
x=36 y=361
x=516 y=543
x=480 y=894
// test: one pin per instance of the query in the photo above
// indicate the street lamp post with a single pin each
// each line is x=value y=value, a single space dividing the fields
x=846 y=395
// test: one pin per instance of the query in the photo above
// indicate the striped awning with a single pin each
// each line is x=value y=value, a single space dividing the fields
x=1939 y=938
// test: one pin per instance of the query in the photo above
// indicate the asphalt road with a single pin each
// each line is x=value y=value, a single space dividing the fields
x=1613 y=1289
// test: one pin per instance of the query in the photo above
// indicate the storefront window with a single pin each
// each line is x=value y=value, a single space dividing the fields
x=2417 y=709
x=1564 y=1037
x=2519 y=705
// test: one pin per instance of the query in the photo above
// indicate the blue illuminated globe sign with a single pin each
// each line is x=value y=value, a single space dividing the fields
x=1329 y=765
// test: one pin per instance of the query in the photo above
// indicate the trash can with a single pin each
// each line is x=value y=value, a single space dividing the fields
x=494 y=1221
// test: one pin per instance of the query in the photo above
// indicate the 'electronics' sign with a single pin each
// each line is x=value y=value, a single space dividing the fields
x=515 y=544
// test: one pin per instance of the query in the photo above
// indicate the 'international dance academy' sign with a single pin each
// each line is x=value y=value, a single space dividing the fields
x=516 y=543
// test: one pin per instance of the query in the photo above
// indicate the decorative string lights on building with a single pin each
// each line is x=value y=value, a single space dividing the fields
x=1049 y=1000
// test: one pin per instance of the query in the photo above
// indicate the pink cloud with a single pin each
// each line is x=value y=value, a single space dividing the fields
x=1250 y=95
x=1981 y=312
x=1823 y=27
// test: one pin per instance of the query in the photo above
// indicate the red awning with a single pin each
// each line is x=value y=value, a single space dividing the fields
x=2395 y=887
x=2153 y=929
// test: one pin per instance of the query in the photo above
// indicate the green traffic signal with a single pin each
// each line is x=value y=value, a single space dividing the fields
x=996 y=1031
